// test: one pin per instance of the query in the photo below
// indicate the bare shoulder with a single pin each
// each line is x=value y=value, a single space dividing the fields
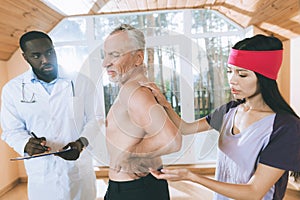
x=134 y=95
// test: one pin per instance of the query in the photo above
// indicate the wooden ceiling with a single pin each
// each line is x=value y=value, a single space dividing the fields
x=278 y=17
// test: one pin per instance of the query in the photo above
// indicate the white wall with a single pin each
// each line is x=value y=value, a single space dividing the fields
x=295 y=74
x=15 y=66
x=9 y=171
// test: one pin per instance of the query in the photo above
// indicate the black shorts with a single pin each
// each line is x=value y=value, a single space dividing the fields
x=145 y=188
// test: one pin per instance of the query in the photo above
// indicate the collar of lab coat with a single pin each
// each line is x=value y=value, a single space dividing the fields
x=29 y=76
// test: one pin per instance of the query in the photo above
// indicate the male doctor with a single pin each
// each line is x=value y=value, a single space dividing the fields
x=46 y=109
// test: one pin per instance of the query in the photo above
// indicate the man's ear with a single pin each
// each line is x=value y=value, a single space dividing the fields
x=24 y=56
x=140 y=58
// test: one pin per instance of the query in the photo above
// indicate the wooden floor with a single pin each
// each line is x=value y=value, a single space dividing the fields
x=180 y=190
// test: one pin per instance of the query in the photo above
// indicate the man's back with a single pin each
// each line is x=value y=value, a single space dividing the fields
x=123 y=132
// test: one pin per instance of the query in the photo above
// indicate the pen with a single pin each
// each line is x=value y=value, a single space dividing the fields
x=44 y=147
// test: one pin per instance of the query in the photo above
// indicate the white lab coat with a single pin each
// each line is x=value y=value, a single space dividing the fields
x=61 y=117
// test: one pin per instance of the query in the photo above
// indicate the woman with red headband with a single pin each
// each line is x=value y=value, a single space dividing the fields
x=259 y=141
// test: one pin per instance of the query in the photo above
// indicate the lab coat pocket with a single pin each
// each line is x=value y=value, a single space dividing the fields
x=36 y=169
x=72 y=170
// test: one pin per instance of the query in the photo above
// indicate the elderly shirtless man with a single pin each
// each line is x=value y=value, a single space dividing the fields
x=138 y=129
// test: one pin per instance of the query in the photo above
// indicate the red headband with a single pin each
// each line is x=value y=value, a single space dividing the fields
x=266 y=63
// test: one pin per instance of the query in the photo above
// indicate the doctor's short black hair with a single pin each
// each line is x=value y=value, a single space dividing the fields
x=31 y=35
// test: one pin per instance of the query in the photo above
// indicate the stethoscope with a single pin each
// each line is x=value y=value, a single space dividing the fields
x=24 y=100
x=32 y=100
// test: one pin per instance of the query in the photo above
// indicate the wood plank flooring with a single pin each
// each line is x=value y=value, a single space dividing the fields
x=181 y=190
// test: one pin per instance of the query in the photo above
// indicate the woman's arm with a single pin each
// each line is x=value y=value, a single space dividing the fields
x=259 y=184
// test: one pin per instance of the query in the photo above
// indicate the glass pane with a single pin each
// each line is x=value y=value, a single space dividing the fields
x=70 y=29
x=111 y=91
x=211 y=87
x=162 y=21
x=205 y=145
x=72 y=58
x=74 y=7
x=204 y=21
x=152 y=24
x=164 y=67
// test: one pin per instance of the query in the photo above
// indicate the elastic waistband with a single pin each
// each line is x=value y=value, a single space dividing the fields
x=127 y=185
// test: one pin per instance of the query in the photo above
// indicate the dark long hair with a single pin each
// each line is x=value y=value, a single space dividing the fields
x=268 y=87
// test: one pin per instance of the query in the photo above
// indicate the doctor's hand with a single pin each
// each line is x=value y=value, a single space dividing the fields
x=36 y=146
x=74 y=152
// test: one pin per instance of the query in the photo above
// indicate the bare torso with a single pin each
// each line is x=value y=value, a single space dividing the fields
x=121 y=134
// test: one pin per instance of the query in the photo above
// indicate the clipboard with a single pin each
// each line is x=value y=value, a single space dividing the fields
x=41 y=155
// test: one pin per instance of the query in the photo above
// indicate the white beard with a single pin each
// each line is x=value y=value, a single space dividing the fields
x=122 y=78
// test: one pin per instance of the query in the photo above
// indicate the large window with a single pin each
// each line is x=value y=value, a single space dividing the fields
x=186 y=56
